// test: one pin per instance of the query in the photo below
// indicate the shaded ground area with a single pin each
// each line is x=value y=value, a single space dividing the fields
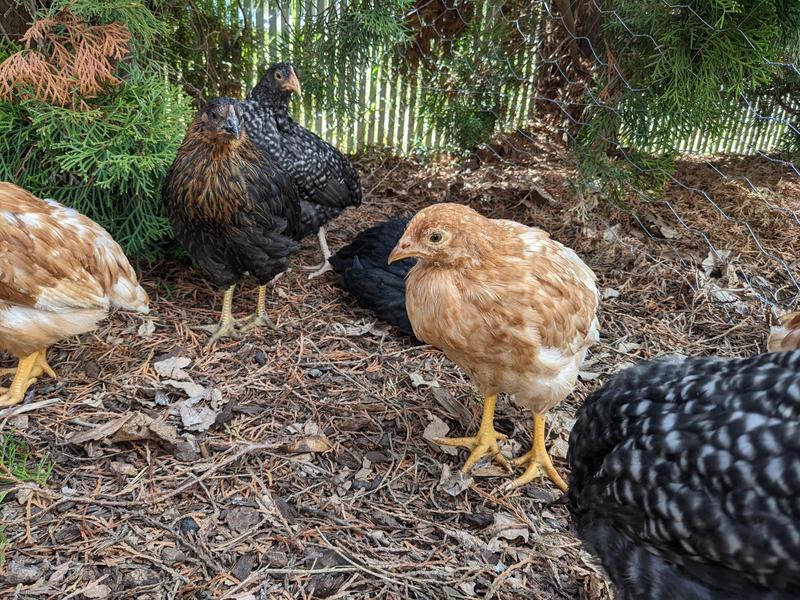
x=300 y=467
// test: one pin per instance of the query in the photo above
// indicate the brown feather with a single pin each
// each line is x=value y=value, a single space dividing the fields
x=512 y=307
x=220 y=168
x=60 y=272
x=785 y=335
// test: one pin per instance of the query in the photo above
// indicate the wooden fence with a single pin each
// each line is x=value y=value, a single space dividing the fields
x=388 y=112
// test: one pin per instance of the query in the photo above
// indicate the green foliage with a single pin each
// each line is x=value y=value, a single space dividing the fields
x=678 y=68
x=468 y=85
x=108 y=161
x=145 y=27
x=212 y=45
x=686 y=66
x=18 y=466
x=336 y=46
x=217 y=46
x=789 y=19
x=466 y=57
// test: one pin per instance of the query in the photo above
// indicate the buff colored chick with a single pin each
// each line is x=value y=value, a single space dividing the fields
x=513 y=308
x=60 y=273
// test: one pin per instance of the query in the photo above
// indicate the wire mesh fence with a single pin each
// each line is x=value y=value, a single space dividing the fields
x=393 y=79
x=653 y=98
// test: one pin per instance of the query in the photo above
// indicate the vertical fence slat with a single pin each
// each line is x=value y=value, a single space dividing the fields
x=401 y=106
x=389 y=106
x=358 y=113
x=419 y=134
x=754 y=129
x=317 y=7
x=260 y=35
x=371 y=114
x=413 y=117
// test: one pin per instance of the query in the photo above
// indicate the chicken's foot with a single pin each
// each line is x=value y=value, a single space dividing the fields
x=326 y=254
x=227 y=324
x=27 y=372
x=485 y=442
x=537 y=460
x=260 y=317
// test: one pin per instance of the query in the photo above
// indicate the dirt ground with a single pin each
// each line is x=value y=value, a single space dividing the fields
x=300 y=467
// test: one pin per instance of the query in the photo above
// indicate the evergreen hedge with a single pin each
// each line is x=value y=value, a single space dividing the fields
x=106 y=155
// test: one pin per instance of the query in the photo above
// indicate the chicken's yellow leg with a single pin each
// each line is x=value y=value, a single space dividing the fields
x=537 y=460
x=227 y=324
x=485 y=442
x=260 y=317
x=25 y=377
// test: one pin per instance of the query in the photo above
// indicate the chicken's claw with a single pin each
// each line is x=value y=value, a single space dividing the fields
x=319 y=269
x=260 y=317
x=485 y=442
x=536 y=461
x=255 y=320
x=227 y=324
x=221 y=330
x=26 y=374
x=481 y=445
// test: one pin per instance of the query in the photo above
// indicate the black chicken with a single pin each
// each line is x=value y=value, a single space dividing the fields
x=326 y=181
x=366 y=273
x=686 y=478
x=232 y=209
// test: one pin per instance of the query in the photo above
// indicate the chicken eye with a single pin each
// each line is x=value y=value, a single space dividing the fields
x=278 y=75
x=436 y=237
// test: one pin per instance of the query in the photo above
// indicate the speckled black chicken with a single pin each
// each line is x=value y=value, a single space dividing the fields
x=686 y=478
x=366 y=274
x=326 y=181
x=232 y=209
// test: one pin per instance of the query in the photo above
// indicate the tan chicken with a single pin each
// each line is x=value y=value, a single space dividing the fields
x=513 y=308
x=60 y=273
x=785 y=335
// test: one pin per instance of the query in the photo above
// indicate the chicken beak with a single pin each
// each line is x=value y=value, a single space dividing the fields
x=232 y=124
x=293 y=84
x=402 y=250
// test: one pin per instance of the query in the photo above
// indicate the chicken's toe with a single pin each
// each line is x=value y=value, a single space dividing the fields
x=536 y=461
x=319 y=269
x=483 y=444
x=255 y=320
x=221 y=330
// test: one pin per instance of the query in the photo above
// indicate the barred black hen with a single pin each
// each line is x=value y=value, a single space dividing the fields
x=326 y=181
x=686 y=478
x=232 y=209
x=366 y=273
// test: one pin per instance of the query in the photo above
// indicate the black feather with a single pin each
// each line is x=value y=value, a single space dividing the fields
x=686 y=478
x=325 y=179
x=232 y=209
x=365 y=273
